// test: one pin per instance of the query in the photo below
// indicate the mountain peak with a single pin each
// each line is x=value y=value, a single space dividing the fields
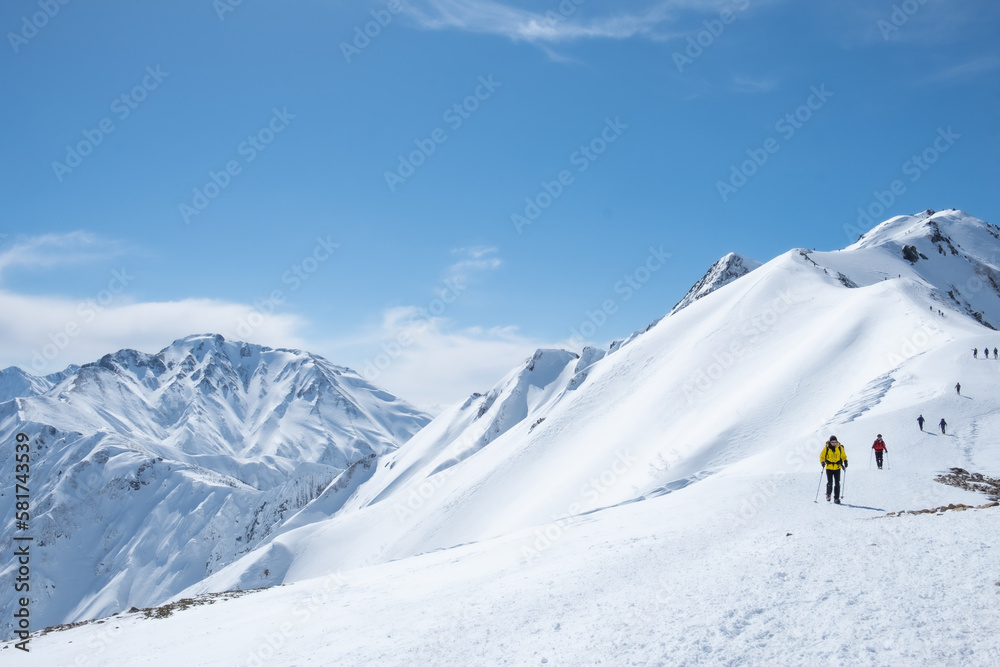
x=939 y=227
x=18 y=383
x=251 y=434
x=723 y=272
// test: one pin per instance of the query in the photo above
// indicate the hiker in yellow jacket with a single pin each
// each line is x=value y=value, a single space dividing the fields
x=833 y=458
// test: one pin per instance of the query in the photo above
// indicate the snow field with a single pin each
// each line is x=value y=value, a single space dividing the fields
x=669 y=581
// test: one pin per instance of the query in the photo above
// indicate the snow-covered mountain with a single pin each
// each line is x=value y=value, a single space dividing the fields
x=151 y=471
x=16 y=383
x=806 y=342
x=653 y=503
x=965 y=251
x=720 y=274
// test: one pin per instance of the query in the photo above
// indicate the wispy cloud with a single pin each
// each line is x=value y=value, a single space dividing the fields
x=474 y=260
x=419 y=352
x=48 y=250
x=752 y=85
x=926 y=22
x=558 y=22
x=965 y=70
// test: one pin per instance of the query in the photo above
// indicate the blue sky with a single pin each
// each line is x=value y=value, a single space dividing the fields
x=467 y=182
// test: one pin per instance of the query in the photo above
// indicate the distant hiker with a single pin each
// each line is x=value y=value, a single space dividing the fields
x=942 y=424
x=920 y=421
x=958 y=388
x=833 y=458
x=995 y=353
x=880 y=449
x=986 y=351
x=975 y=353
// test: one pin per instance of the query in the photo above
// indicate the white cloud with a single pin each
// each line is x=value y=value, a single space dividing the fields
x=428 y=361
x=416 y=352
x=475 y=260
x=50 y=250
x=419 y=354
x=557 y=22
x=45 y=334
x=966 y=70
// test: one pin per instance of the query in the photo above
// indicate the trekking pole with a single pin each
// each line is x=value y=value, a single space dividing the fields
x=843 y=484
x=870 y=459
x=887 y=465
x=816 y=499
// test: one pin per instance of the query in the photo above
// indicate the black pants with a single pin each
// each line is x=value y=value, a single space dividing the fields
x=878 y=457
x=833 y=482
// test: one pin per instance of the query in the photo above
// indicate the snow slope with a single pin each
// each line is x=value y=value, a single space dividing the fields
x=654 y=504
x=741 y=568
x=804 y=343
x=151 y=471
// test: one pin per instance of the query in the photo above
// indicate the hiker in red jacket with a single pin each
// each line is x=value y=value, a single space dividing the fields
x=880 y=449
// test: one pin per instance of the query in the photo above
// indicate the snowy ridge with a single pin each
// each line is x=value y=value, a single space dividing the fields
x=808 y=340
x=654 y=505
x=155 y=470
x=16 y=383
x=723 y=272
x=941 y=248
